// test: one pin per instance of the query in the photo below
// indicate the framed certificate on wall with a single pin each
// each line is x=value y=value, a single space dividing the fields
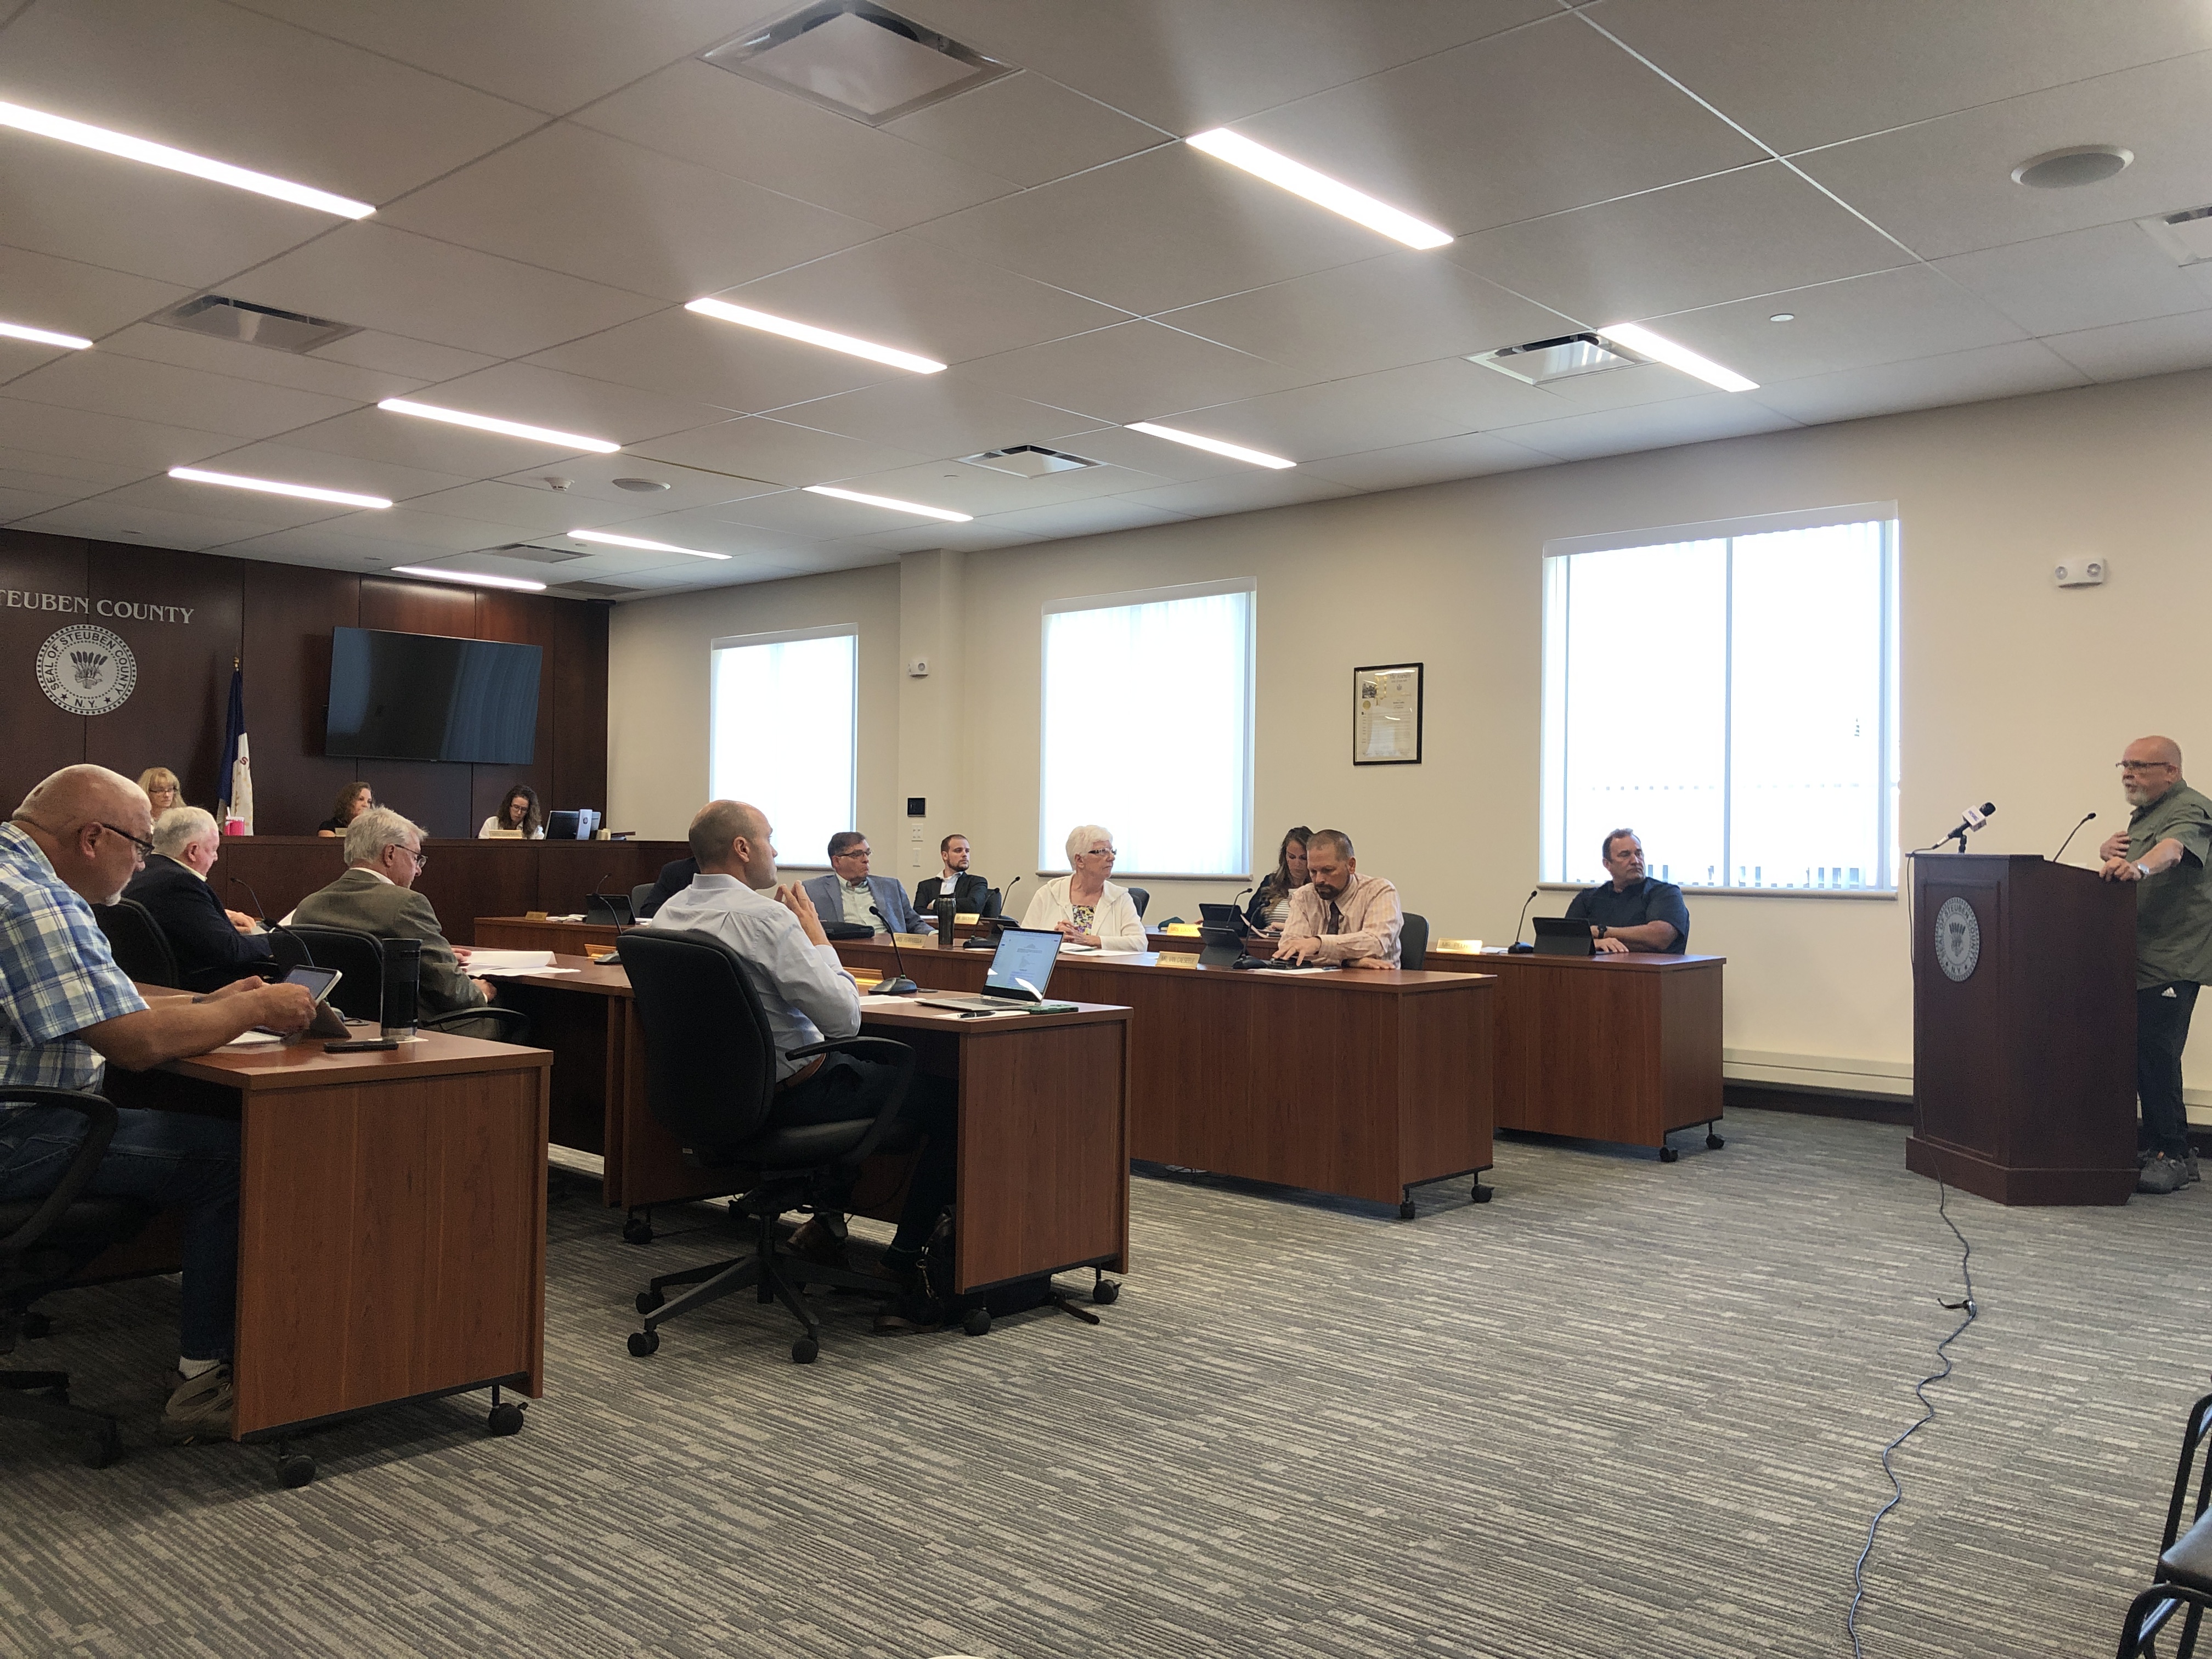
x=1386 y=715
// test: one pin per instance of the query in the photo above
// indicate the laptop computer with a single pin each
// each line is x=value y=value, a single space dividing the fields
x=1558 y=936
x=1020 y=969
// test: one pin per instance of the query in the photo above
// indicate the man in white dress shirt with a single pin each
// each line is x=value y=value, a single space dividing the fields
x=809 y=998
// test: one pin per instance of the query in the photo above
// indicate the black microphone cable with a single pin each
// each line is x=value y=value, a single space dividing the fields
x=261 y=915
x=1972 y=1310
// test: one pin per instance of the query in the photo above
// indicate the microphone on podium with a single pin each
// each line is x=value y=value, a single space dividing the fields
x=2071 y=833
x=1969 y=821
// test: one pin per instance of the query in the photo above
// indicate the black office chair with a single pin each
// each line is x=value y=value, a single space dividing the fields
x=1413 y=941
x=989 y=905
x=142 y=949
x=42 y=1242
x=710 y=1080
x=638 y=896
x=2182 y=1578
x=359 y=958
x=1140 y=898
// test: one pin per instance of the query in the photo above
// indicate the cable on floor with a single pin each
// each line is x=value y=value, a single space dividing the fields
x=1967 y=1306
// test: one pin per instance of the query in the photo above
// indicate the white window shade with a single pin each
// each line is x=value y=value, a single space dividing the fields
x=1147 y=730
x=783 y=734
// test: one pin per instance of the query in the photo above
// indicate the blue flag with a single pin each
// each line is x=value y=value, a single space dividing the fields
x=235 y=782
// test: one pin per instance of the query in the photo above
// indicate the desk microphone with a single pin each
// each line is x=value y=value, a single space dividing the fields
x=1517 y=945
x=1969 y=821
x=900 y=985
x=1002 y=917
x=1243 y=920
x=274 y=927
x=2071 y=833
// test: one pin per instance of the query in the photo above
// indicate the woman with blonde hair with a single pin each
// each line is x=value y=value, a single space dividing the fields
x=162 y=789
x=1083 y=906
x=1271 y=902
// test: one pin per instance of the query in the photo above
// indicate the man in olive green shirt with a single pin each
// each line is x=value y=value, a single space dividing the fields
x=2165 y=849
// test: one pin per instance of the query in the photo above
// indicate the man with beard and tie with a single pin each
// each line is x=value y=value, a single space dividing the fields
x=1340 y=917
x=2163 y=849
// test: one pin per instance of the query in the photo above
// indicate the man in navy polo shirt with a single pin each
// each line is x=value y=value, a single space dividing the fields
x=1633 y=912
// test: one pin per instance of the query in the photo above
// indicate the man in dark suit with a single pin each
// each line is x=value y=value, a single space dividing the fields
x=213 y=945
x=967 y=891
x=376 y=895
x=675 y=876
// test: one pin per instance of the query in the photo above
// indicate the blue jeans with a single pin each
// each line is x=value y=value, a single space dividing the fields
x=172 y=1160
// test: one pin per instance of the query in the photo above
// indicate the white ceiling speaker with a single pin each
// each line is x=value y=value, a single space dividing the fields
x=2077 y=164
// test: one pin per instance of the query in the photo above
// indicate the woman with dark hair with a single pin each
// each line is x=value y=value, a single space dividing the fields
x=353 y=800
x=1270 y=902
x=517 y=814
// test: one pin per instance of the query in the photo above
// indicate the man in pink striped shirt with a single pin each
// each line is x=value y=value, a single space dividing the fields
x=1341 y=916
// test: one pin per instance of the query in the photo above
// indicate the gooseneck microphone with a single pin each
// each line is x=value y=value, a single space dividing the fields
x=898 y=985
x=274 y=927
x=2071 y=833
x=1523 y=922
x=1243 y=920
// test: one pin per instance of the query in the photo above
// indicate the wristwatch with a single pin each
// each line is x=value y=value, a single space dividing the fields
x=1602 y=930
x=2143 y=869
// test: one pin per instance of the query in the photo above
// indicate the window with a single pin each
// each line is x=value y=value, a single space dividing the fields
x=781 y=733
x=1147 y=729
x=1729 y=693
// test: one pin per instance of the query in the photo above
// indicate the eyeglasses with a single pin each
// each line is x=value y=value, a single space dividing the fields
x=2140 y=766
x=854 y=852
x=1099 y=852
x=145 y=848
x=421 y=859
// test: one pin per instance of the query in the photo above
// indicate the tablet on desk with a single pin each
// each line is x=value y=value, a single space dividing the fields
x=318 y=983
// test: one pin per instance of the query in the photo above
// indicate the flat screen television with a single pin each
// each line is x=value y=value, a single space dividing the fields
x=428 y=696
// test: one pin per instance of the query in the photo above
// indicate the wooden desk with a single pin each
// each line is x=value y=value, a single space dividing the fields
x=579 y=938
x=391 y=1219
x=1043 y=1178
x=1606 y=1048
x=1358 y=1083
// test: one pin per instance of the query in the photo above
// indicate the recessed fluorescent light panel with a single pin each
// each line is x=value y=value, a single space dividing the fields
x=1215 y=445
x=640 y=544
x=469 y=577
x=762 y=320
x=571 y=441
x=271 y=487
x=177 y=160
x=1660 y=348
x=895 y=506
x=858 y=59
x=44 y=336
x=1318 y=188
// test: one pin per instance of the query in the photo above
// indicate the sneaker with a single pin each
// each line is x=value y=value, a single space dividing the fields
x=2162 y=1175
x=2188 y=1169
x=198 y=1408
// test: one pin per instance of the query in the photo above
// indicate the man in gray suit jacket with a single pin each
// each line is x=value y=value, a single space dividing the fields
x=383 y=854
x=844 y=896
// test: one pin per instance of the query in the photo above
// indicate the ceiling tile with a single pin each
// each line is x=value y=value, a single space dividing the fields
x=562 y=54
x=1091 y=518
x=679 y=354
x=943 y=413
x=542 y=510
x=2122 y=351
x=1752 y=231
x=19 y=357
x=978 y=537
x=188 y=532
x=1169 y=227
x=222 y=81
x=1383 y=313
x=1469 y=455
x=141 y=447
x=735 y=126
x=70 y=298
x=908 y=292
x=1912 y=312
x=333 y=545
x=140 y=390
x=981 y=490
x=1132 y=372
x=2083 y=279
x=592 y=483
x=438 y=531
x=1186 y=67
x=181 y=349
x=1963 y=377
x=390 y=354
x=1247 y=494
x=1140 y=452
x=776 y=450
x=1651 y=425
x=377 y=435
x=719 y=529
x=573 y=403
x=1806 y=74
x=375 y=276
x=31 y=468
x=1028 y=128
x=597 y=208
x=1537 y=121
x=1620 y=388
x=800 y=517
x=1945 y=187
x=1371 y=411
x=19 y=503
x=290 y=465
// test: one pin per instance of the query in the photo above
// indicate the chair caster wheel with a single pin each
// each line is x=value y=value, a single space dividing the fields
x=1714 y=1143
x=294 y=1470
x=804 y=1351
x=977 y=1321
x=504 y=1418
x=1482 y=1194
x=642 y=1343
x=637 y=1230
x=650 y=1300
x=1667 y=1155
x=99 y=1448
x=1105 y=1292
x=1405 y=1210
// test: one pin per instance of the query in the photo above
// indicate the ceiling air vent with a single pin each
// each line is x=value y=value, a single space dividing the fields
x=592 y=591
x=1540 y=362
x=858 y=59
x=2185 y=237
x=1029 y=460
x=533 y=554
x=261 y=325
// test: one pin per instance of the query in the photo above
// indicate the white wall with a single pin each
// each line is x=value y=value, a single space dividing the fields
x=2012 y=690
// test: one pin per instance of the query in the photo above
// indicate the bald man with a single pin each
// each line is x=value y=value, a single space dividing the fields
x=66 y=1010
x=2164 y=850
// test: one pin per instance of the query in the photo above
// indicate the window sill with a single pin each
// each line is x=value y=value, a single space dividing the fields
x=1688 y=891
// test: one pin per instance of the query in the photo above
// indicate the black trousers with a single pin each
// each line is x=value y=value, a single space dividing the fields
x=846 y=1088
x=2162 y=1014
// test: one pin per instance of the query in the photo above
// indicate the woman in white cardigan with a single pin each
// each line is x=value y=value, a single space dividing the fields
x=1085 y=907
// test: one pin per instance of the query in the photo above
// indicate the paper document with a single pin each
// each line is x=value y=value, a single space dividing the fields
x=516 y=973
x=489 y=961
x=1072 y=949
x=255 y=1040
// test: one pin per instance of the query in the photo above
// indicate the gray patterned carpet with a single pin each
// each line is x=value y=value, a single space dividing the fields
x=1626 y=1409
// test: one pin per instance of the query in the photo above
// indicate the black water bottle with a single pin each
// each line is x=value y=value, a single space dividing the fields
x=403 y=985
x=947 y=907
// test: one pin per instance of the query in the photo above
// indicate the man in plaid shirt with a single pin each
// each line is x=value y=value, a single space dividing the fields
x=66 y=1010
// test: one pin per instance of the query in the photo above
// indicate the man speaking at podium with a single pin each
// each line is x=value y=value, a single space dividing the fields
x=2165 y=849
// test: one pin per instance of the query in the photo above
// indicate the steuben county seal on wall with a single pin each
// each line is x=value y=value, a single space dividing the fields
x=1957 y=938
x=87 y=669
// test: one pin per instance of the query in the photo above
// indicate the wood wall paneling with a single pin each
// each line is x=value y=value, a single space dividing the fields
x=577 y=672
x=290 y=613
x=175 y=717
x=40 y=735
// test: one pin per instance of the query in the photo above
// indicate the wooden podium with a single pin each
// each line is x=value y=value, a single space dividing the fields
x=2023 y=1028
